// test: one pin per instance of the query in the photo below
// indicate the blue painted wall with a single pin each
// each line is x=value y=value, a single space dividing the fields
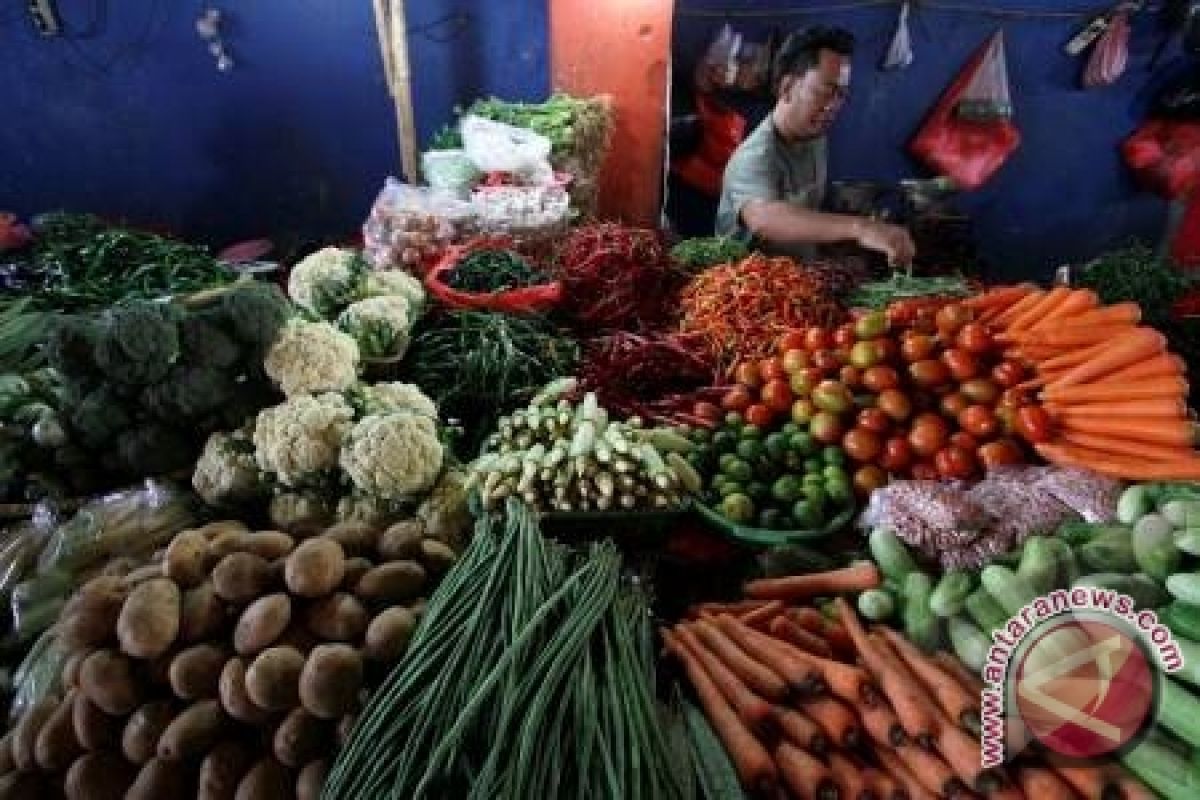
x=127 y=115
x=1064 y=195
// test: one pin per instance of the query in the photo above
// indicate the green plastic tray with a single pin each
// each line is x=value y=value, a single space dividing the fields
x=766 y=537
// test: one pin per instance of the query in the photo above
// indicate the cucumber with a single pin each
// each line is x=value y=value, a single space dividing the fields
x=890 y=554
x=1078 y=533
x=1182 y=618
x=920 y=623
x=876 y=605
x=970 y=644
x=1009 y=589
x=1154 y=546
x=1039 y=564
x=1111 y=552
x=986 y=612
x=1188 y=540
x=1135 y=503
x=1185 y=586
x=1181 y=513
x=950 y=595
x=1068 y=565
x=1146 y=591
x=666 y=440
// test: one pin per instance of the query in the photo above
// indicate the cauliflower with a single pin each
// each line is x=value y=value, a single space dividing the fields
x=445 y=512
x=393 y=455
x=380 y=326
x=382 y=398
x=227 y=473
x=299 y=439
x=311 y=357
x=328 y=280
x=300 y=512
x=367 y=509
x=398 y=282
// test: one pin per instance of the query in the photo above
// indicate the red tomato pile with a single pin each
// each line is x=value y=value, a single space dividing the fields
x=926 y=397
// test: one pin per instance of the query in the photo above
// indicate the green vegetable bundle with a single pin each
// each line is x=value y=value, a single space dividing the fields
x=701 y=253
x=531 y=675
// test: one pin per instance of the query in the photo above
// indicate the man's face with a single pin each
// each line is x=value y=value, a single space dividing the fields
x=811 y=101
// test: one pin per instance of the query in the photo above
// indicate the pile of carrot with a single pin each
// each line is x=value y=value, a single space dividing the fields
x=1116 y=395
x=821 y=708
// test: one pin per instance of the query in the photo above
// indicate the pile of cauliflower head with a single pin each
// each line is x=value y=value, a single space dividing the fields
x=393 y=455
x=379 y=325
x=381 y=398
x=227 y=472
x=398 y=283
x=328 y=280
x=299 y=440
x=311 y=357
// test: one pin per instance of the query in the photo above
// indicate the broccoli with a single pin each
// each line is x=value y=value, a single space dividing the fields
x=71 y=345
x=204 y=342
x=188 y=392
x=98 y=417
x=138 y=342
x=256 y=312
x=155 y=449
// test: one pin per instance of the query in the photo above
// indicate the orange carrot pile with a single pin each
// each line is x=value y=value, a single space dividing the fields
x=813 y=707
x=1116 y=396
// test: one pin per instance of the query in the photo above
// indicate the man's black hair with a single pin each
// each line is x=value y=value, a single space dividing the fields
x=801 y=50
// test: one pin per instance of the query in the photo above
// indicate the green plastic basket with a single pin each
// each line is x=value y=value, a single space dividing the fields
x=766 y=537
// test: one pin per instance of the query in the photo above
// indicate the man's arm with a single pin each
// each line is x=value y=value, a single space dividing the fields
x=776 y=221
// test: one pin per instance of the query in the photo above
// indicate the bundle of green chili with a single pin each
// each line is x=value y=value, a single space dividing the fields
x=488 y=275
x=531 y=675
x=493 y=270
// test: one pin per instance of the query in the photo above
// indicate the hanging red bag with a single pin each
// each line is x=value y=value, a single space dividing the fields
x=526 y=300
x=970 y=133
x=721 y=131
x=1165 y=154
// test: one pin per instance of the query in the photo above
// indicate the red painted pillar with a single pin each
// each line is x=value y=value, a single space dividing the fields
x=621 y=48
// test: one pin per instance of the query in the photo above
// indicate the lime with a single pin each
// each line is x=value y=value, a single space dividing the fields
x=834 y=455
x=724 y=441
x=751 y=450
x=770 y=518
x=725 y=460
x=738 y=508
x=832 y=473
x=730 y=487
x=807 y=515
x=787 y=489
x=777 y=446
x=734 y=420
x=791 y=428
x=751 y=432
x=738 y=470
x=758 y=490
x=793 y=461
x=813 y=466
x=839 y=491
x=813 y=479
x=802 y=443
x=700 y=435
x=815 y=494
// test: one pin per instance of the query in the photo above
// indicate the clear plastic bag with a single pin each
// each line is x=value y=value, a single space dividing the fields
x=39 y=675
x=496 y=147
x=987 y=95
x=450 y=171
x=410 y=225
x=900 y=53
x=522 y=209
x=1110 y=55
x=20 y=546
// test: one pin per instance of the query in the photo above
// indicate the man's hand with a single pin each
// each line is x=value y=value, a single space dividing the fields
x=891 y=240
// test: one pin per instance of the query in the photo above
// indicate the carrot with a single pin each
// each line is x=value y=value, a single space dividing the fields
x=783 y=628
x=1170 y=432
x=834 y=718
x=1090 y=781
x=757 y=713
x=1185 y=468
x=849 y=777
x=961 y=752
x=1167 y=386
x=957 y=670
x=753 y=672
x=1019 y=308
x=1141 y=345
x=998 y=298
x=883 y=785
x=882 y=725
x=1066 y=337
x=857 y=577
x=932 y=771
x=1073 y=357
x=801 y=730
x=960 y=705
x=808 y=618
x=1117 y=314
x=903 y=775
x=1144 y=407
x=761 y=617
x=1044 y=309
x=1078 y=304
x=1009 y=791
x=751 y=760
x=1130 y=787
x=1123 y=447
x=805 y=776
x=804 y=678
x=738 y=608
x=1041 y=782
x=1161 y=365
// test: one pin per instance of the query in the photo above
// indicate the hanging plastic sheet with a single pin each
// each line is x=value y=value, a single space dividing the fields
x=900 y=52
x=1110 y=55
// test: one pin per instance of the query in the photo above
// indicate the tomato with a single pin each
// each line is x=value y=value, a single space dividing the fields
x=929 y=373
x=826 y=428
x=793 y=339
x=1008 y=373
x=1007 y=415
x=955 y=462
x=709 y=412
x=895 y=404
x=864 y=355
x=880 y=377
x=803 y=410
x=874 y=420
x=738 y=398
x=954 y=403
x=850 y=375
x=817 y=338
x=862 y=445
x=794 y=360
x=803 y=381
x=897 y=454
x=979 y=421
x=981 y=391
x=747 y=373
x=887 y=348
x=827 y=361
x=1013 y=398
x=917 y=347
x=760 y=416
x=924 y=471
x=964 y=440
x=1034 y=424
x=771 y=368
x=975 y=338
x=928 y=435
x=832 y=396
x=961 y=363
x=871 y=326
x=844 y=336
x=1001 y=452
x=777 y=396
x=869 y=478
x=951 y=318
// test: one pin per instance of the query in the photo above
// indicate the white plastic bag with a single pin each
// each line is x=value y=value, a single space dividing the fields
x=409 y=225
x=450 y=171
x=900 y=53
x=987 y=96
x=496 y=147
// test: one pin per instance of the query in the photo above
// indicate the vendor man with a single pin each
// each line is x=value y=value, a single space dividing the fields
x=774 y=183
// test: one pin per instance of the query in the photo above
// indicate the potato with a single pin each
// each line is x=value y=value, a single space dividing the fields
x=25 y=734
x=56 y=746
x=227 y=543
x=149 y=620
x=268 y=544
x=136 y=577
x=315 y=567
x=312 y=780
x=106 y=678
x=98 y=776
x=195 y=673
x=273 y=678
x=193 y=732
x=266 y=780
x=437 y=557
x=355 y=568
x=298 y=636
x=331 y=680
x=214 y=530
x=234 y=699
x=160 y=779
x=222 y=770
x=90 y=618
x=392 y=583
x=401 y=541
x=139 y=740
x=203 y=614
x=389 y=634
x=118 y=567
x=94 y=729
x=302 y=737
x=241 y=577
x=356 y=538
x=338 y=618
x=70 y=670
x=186 y=560
x=262 y=623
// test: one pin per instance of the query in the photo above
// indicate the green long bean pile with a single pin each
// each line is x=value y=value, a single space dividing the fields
x=531 y=675
x=493 y=271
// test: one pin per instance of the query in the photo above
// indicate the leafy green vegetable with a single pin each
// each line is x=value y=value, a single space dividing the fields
x=137 y=343
x=256 y=312
x=701 y=253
